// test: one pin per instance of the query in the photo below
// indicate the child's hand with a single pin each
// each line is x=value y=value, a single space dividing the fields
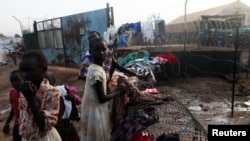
x=28 y=90
x=6 y=129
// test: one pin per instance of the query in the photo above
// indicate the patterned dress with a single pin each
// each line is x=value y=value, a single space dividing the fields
x=95 y=124
x=47 y=100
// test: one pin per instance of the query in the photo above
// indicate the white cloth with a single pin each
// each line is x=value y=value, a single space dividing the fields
x=147 y=30
x=106 y=37
x=67 y=103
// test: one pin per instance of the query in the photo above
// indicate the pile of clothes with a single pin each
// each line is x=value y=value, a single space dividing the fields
x=142 y=63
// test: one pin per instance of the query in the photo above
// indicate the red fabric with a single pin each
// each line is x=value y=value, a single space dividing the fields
x=141 y=136
x=170 y=56
x=14 y=97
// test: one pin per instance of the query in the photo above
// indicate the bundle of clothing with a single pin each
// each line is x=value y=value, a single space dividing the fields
x=133 y=96
x=142 y=63
x=68 y=112
x=134 y=126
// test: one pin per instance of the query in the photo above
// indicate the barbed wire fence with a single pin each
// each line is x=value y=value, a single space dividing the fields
x=211 y=41
x=218 y=32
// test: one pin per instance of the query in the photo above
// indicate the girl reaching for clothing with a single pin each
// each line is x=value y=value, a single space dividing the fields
x=95 y=123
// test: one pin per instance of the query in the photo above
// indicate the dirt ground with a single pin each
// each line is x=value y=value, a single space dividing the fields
x=209 y=99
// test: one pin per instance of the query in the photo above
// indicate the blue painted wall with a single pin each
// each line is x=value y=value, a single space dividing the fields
x=76 y=44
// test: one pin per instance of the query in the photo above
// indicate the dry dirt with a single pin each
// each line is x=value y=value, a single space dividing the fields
x=208 y=98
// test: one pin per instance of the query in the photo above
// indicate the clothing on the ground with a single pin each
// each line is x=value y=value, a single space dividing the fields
x=169 y=137
x=47 y=99
x=137 y=96
x=133 y=96
x=95 y=125
x=144 y=54
x=141 y=136
x=135 y=122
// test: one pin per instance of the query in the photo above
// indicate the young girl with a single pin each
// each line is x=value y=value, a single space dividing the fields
x=39 y=101
x=16 y=81
x=95 y=124
x=110 y=64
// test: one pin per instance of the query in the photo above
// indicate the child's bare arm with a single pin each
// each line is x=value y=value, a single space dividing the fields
x=101 y=95
x=6 y=127
x=29 y=91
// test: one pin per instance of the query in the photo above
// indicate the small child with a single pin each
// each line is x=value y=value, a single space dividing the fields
x=16 y=81
x=95 y=122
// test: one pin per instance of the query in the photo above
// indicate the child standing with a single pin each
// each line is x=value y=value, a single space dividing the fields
x=95 y=123
x=16 y=81
x=39 y=101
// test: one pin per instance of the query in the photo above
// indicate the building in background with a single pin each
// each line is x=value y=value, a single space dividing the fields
x=208 y=26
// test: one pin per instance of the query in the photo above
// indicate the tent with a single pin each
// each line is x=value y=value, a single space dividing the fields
x=3 y=58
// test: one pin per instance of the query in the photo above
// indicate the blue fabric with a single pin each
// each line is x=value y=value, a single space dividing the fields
x=136 y=26
x=122 y=40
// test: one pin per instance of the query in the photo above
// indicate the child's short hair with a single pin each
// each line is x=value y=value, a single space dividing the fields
x=93 y=34
x=15 y=73
x=39 y=56
x=96 y=42
x=50 y=76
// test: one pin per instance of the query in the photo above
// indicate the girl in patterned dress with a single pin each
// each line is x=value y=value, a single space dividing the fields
x=39 y=101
